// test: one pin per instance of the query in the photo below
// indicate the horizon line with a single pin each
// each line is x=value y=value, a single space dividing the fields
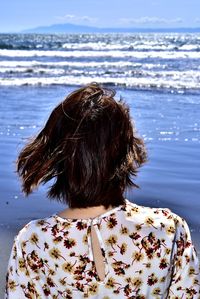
x=109 y=29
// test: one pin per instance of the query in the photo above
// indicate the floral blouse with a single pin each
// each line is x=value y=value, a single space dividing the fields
x=147 y=253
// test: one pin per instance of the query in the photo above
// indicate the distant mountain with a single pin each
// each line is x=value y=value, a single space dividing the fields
x=63 y=28
x=71 y=28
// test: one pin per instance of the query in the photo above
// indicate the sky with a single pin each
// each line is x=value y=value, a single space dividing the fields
x=16 y=15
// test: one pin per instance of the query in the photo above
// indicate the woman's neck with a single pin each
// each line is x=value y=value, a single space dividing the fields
x=78 y=213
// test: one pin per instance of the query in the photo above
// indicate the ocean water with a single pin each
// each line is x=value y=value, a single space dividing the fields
x=157 y=74
x=142 y=61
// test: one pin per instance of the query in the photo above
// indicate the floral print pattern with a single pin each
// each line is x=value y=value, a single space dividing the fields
x=147 y=253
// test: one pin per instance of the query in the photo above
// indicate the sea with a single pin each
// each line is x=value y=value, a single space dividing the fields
x=157 y=74
x=142 y=61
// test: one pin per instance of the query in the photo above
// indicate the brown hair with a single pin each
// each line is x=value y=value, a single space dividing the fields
x=88 y=147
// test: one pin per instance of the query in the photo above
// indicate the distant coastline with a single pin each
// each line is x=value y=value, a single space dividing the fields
x=72 y=28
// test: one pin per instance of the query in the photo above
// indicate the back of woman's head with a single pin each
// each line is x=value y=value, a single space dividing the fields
x=88 y=147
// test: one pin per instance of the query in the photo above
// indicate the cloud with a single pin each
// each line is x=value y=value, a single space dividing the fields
x=149 y=20
x=197 y=20
x=76 y=19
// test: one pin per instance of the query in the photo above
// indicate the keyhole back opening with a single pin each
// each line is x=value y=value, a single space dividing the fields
x=97 y=255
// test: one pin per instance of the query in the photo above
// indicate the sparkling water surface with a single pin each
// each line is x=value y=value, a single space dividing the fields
x=142 y=61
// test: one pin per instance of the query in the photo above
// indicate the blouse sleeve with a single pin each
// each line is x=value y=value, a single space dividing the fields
x=18 y=281
x=185 y=280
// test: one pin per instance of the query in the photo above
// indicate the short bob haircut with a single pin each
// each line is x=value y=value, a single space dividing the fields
x=88 y=147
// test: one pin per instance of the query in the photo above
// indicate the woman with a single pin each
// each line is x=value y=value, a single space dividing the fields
x=102 y=246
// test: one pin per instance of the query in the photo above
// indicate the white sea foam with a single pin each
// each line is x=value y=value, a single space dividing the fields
x=190 y=47
x=79 y=80
x=95 y=46
x=183 y=76
x=145 y=45
x=104 y=54
x=8 y=63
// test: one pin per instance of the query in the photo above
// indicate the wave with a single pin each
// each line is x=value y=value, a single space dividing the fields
x=30 y=70
x=144 y=45
x=14 y=47
x=147 y=83
x=8 y=63
x=103 y=54
x=98 y=46
x=190 y=47
x=186 y=76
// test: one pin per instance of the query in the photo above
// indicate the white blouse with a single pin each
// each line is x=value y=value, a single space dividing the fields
x=147 y=253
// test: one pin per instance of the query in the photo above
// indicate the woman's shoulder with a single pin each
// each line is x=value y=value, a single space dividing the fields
x=156 y=217
x=37 y=226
